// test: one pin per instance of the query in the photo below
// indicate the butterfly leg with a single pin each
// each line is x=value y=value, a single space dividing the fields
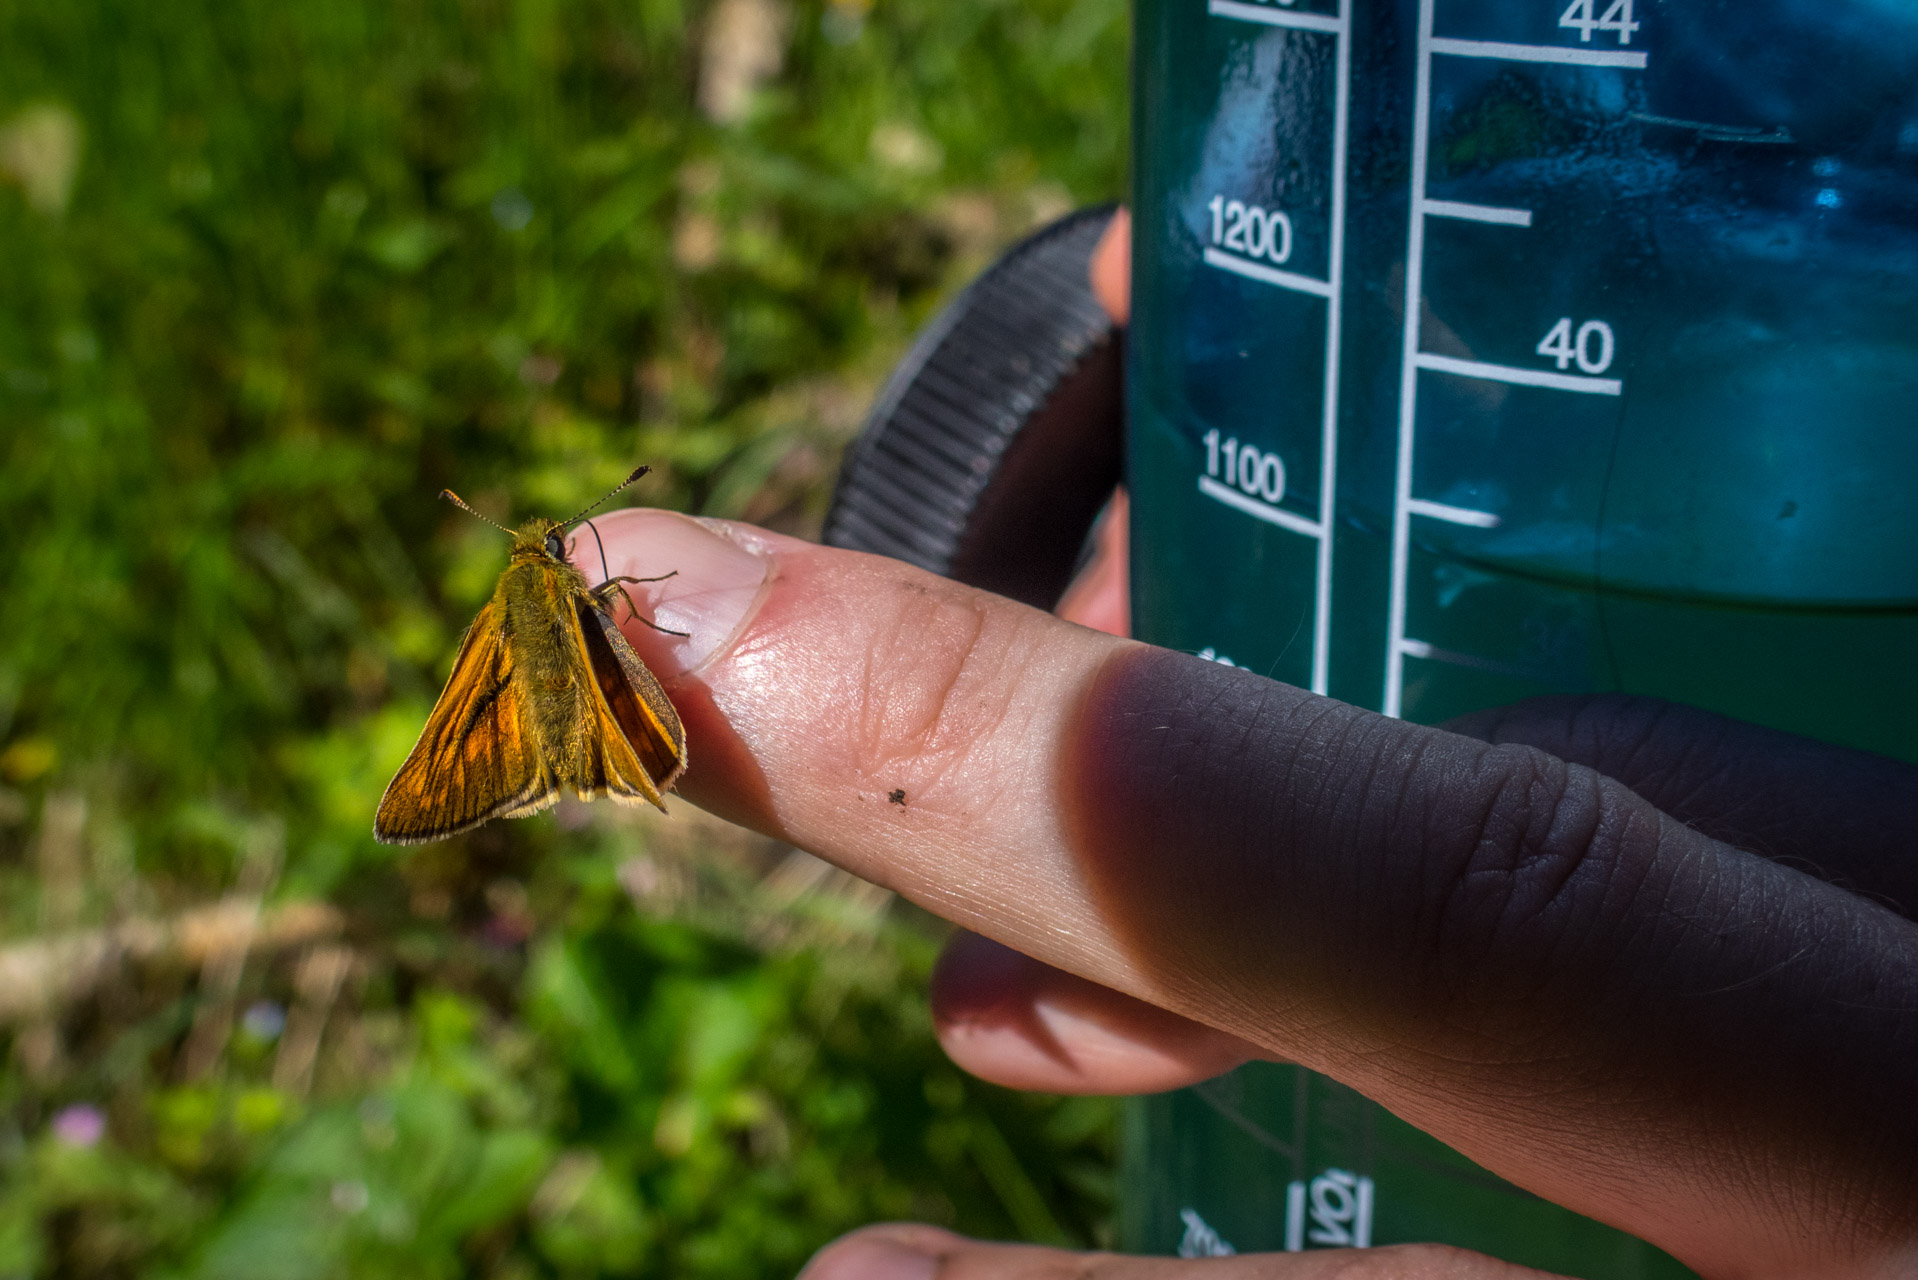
x=604 y=594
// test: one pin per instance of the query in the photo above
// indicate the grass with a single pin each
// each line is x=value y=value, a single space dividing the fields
x=277 y=272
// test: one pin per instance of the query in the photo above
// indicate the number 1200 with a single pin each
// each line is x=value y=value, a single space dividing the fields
x=1248 y=229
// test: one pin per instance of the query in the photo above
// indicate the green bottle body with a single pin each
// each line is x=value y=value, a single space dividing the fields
x=1491 y=348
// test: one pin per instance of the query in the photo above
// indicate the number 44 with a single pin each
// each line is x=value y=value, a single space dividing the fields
x=1617 y=17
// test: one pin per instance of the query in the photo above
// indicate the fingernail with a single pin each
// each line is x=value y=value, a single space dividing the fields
x=713 y=591
x=864 y=1258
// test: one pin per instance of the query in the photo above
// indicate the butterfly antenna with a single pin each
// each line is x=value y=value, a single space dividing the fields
x=605 y=571
x=597 y=505
x=460 y=502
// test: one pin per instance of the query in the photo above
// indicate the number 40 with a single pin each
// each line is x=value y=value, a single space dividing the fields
x=1617 y=17
x=1592 y=348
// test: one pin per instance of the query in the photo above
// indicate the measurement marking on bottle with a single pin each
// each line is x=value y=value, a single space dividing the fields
x=1275 y=17
x=1266 y=275
x=1520 y=377
x=1454 y=515
x=1592 y=350
x=1241 y=228
x=1334 y=313
x=1295 y=1217
x=1476 y=212
x=1200 y=1240
x=1591 y=346
x=1340 y=1212
x=1272 y=242
x=1536 y=53
x=1259 y=510
x=1432 y=653
x=1256 y=473
x=1617 y=19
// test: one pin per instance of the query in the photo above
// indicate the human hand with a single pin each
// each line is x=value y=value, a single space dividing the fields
x=1604 y=1000
x=908 y=1251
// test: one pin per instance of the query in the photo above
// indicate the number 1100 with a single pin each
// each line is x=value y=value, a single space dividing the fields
x=1250 y=470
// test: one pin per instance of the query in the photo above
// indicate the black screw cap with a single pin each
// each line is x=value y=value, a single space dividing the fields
x=999 y=437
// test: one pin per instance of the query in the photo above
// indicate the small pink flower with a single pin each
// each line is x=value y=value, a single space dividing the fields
x=80 y=1125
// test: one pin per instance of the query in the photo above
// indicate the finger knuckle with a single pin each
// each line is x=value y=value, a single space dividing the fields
x=1535 y=849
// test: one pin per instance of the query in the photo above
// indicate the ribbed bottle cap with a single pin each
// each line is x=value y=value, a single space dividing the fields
x=997 y=440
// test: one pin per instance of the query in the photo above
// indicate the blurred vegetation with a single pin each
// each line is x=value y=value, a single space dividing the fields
x=275 y=271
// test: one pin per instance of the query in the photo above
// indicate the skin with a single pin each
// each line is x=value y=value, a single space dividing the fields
x=1648 y=963
x=1507 y=947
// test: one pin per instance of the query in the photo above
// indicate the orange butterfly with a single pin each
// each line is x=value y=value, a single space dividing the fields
x=545 y=694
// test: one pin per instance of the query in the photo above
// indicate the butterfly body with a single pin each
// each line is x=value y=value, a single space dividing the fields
x=546 y=696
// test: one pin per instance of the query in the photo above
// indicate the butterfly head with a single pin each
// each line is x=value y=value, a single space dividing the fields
x=540 y=540
x=544 y=539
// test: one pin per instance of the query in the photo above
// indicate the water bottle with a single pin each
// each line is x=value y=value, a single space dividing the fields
x=1490 y=348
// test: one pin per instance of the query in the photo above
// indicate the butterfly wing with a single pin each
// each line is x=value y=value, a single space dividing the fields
x=477 y=758
x=642 y=746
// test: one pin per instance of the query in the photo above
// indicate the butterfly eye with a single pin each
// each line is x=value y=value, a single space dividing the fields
x=554 y=547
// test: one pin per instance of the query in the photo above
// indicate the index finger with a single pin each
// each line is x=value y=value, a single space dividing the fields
x=1519 y=955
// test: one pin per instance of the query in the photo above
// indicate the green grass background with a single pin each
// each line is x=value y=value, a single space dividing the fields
x=273 y=272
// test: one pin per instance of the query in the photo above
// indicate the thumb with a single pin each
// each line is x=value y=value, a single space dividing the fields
x=906 y=1251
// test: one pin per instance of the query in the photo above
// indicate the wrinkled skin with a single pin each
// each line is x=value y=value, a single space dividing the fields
x=1652 y=964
